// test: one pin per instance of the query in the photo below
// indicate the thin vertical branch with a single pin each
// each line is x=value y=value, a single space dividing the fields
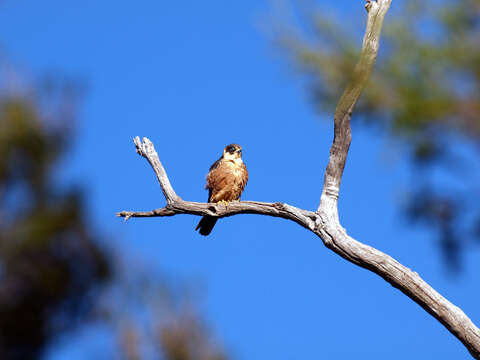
x=342 y=132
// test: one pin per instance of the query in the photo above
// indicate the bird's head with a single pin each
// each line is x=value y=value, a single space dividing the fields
x=232 y=152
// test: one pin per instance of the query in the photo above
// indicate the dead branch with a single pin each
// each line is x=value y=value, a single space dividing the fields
x=325 y=221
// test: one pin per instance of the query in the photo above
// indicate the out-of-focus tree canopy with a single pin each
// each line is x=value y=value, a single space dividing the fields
x=54 y=275
x=424 y=90
x=154 y=319
x=49 y=261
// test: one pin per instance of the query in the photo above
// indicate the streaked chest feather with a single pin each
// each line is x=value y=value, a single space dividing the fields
x=228 y=176
x=235 y=167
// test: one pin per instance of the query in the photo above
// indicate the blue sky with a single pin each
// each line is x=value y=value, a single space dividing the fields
x=193 y=77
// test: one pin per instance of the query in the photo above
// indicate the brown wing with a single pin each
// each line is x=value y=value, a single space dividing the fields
x=208 y=185
x=243 y=179
x=219 y=181
x=215 y=164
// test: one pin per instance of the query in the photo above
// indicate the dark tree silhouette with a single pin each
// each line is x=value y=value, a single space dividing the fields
x=50 y=262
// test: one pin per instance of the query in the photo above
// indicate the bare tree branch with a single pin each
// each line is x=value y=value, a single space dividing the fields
x=324 y=222
x=147 y=150
x=342 y=132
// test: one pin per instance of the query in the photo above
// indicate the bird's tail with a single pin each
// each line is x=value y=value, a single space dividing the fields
x=206 y=225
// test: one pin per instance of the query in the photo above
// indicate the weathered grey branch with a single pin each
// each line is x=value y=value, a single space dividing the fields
x=302 y=217
x=343 y=112
x=147 y=150
x=325 y=222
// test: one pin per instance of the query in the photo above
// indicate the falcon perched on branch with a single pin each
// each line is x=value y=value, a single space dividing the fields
x=225 y=182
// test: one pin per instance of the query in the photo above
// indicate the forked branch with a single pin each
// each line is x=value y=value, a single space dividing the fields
x=325 y=222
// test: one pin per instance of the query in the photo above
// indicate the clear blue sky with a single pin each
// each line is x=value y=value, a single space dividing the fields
x=193 y=77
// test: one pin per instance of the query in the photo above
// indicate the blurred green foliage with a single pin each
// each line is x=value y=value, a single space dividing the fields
x=50 y=262
x=54 y=274
x=424 y=91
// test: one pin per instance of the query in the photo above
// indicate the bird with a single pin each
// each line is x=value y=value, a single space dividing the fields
x=226 y=180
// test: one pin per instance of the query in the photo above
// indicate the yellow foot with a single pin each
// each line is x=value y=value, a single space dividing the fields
x=223 y=202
